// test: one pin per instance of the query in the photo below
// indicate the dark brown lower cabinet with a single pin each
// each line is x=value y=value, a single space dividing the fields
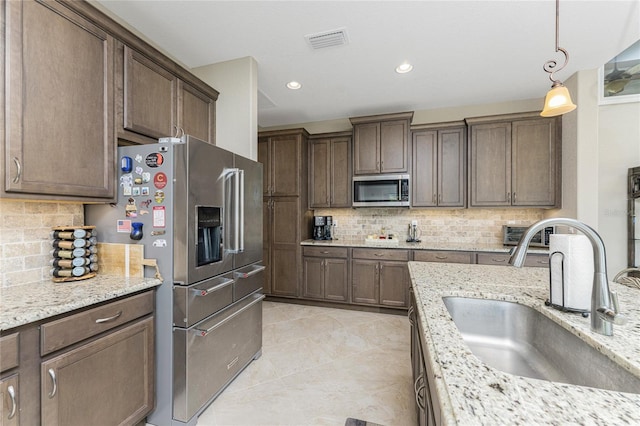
x=380 y=277
x=325 y=273
x=427 y=402
x=107 y=381
x=9 y=400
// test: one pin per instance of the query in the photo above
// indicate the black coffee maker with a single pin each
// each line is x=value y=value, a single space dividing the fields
x=322 y=227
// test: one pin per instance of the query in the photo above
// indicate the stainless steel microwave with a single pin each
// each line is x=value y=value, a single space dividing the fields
x=381 y=191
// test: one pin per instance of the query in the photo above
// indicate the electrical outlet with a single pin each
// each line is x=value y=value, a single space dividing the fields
x=335 y=223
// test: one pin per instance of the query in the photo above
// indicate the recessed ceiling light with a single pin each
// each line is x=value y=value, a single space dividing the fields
x=294 y=85
x=404 y=68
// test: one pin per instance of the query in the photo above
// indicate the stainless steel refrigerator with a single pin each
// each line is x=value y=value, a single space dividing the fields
x=197 y=209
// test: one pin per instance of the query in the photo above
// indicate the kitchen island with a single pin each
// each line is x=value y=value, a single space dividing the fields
x=471 y=392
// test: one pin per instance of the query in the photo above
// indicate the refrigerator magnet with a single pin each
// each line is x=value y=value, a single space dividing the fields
x=159 y=216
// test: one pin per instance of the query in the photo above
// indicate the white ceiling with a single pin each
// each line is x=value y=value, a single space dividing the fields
x=463 y=52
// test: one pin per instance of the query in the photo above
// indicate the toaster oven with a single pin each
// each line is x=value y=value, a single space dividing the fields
x=512 y=234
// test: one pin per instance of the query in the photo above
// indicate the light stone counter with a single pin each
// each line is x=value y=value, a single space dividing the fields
x=24 y=304
x=473 y=393
x=424 y=245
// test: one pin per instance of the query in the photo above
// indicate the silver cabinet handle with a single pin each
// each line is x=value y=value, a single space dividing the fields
x=418 y=388
x=441 y=257
x=324 y=252
x=514 y=197
x=433 y=199
x=19 y=170
x=508 y=197
x=498 y=260
x=206 y=291
x=103 y=320
x=378 y=254
x=52 y=374
x=12 y=394
x=410 y=315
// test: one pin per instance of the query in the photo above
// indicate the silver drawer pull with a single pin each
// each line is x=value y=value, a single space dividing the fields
x=113 y=318
x=324 y=252
x=12 y=395
x=441 y=257
x=207 y=291
x=378 y=254
x=203 y=333
x=498 y=260
x=251 y=273
x=232 y=363
x=52 y=374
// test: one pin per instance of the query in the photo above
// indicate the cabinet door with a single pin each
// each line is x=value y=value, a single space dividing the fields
x=340 y=194
x=336 y=276
x=285 y=165
x=424 y=170
x=53 y=147
x=534 y=154
x=393 y=146
x=284 y=246
x=313 y=277
x=366 y=148
x=196 y=113
x=319 y=173
x=266 y=244
x=490 y=165
x=9 y=400
x=149 y=93
x=364 y=281
x=264 y=157
x=107 y=381
x=451 y=166
x=394 y=284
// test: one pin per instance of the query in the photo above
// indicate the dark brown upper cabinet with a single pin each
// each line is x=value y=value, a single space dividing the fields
x=330 y=170
x=381 y=143
x=58 y=125
x=439 y=165
x=515 y=160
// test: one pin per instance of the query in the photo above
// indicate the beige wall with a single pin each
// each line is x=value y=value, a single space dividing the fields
x=237 y=105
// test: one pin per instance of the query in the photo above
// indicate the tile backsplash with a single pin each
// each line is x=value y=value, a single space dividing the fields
x=24 y=237
x=25 y=228
x=465 y=226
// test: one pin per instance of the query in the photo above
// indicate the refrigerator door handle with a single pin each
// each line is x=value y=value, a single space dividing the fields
x=237 y=229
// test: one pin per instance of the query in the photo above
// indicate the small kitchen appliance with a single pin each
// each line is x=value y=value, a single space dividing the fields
x=322 y=227
x=511 y=235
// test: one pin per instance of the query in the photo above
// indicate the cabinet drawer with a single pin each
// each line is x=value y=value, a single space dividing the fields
x=380 y=254
x=325 y=251
x=532 y=260
x=443 y=256
x=74 y=328
x=9 y=352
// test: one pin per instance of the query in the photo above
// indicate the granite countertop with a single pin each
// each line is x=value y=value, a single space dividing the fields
x=27 y=303
x=473 y=393
x=423 y=245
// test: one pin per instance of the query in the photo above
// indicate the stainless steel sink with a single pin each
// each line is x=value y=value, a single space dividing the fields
x=519 y=340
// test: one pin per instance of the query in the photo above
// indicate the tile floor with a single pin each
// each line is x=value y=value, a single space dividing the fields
x=320 y=366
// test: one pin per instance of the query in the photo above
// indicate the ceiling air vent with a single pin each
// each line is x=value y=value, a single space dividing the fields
x=329 y=38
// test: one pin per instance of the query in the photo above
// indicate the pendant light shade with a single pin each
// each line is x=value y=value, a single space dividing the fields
x=557 y=102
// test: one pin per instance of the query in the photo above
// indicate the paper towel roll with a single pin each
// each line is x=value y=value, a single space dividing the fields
x=578 y=271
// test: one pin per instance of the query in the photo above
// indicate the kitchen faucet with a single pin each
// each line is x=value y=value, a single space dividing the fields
x=604 y=303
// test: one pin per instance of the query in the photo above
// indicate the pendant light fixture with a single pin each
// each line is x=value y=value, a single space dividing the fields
x=558 y=101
